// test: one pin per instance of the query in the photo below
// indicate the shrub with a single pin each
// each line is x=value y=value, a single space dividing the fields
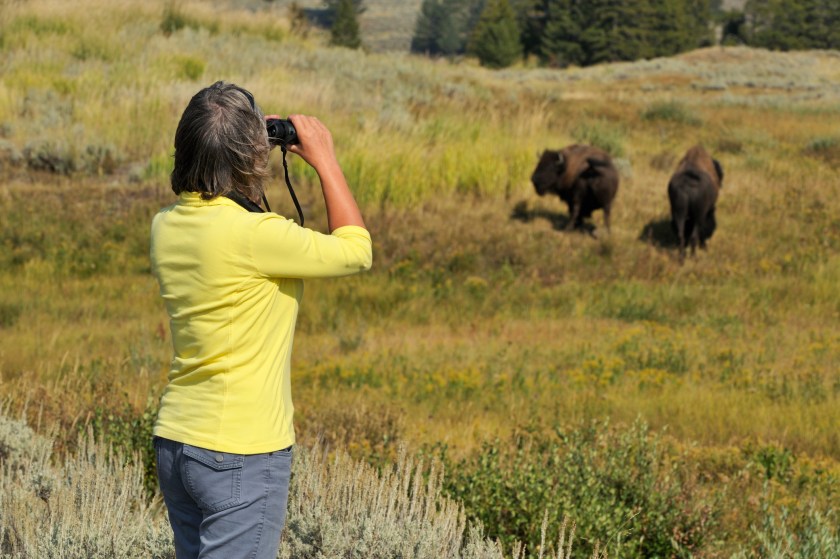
x=98 y=159
x=670 y=111
x=130 y=433
x=9 y=154
x=813 y=535
x=826 y=148
x=93 y=507
x=601 y=135
x=20 y=446
x=173 y=19
x=495 y=39
x=46 y=155
x=9 y=314
x=620 y=486
x=62 y=159
x=345 y=27
x=190 y=67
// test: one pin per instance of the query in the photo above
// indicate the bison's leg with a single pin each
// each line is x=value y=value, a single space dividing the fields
x=709 y=225
x=574 y=215
x=607 y=209
x=696 y=221
x=679 y=215
x=695 y=239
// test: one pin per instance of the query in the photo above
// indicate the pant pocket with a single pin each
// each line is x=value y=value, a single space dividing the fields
x=214 y=479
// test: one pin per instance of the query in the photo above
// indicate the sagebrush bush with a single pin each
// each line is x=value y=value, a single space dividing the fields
x=93 y=506
x=670 y=111
x=130 y=433
x=781 y=535
x=827 y=149
x=602 y=135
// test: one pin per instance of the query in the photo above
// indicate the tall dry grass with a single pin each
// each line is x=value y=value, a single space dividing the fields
x=480 y=316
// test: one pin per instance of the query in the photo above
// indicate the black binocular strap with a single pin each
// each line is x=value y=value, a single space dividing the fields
x=252 y=207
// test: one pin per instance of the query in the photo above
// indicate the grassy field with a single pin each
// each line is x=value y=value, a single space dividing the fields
x=484 y=335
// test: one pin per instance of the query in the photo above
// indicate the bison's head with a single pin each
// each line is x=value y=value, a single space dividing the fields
x=549 y=170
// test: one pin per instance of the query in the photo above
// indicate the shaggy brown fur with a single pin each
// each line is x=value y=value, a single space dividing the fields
x=693 y=192
x=582 y=176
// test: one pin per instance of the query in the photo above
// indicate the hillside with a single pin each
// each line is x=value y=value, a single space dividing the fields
x=385 y=25
x=668 y=409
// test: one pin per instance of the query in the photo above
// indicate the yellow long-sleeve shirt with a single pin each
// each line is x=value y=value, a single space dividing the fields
x=232 y=284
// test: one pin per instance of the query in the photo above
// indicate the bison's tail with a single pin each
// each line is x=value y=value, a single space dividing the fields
x=695 y=174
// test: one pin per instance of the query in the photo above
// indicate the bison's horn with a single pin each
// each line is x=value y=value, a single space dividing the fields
x=560 y=159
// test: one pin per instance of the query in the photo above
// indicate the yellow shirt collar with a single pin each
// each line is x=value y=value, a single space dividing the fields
x=195 y=199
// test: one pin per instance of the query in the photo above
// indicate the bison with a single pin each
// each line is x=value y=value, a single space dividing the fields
x=582 y=176
x=693 y=192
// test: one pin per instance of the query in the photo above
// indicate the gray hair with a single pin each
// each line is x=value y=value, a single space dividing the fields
x=221 y=144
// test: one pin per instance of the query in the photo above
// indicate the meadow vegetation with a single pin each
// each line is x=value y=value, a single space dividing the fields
x=667 y=410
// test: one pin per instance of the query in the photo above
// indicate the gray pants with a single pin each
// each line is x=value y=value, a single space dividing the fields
x=223 y=505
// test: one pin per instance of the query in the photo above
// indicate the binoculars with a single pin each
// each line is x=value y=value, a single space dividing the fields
x=281 y=132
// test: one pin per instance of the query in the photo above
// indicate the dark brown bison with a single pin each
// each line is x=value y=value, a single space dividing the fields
x=693 y=192
x=582 y=176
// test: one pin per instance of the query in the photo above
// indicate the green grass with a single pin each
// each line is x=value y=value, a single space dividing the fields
x=480 y=319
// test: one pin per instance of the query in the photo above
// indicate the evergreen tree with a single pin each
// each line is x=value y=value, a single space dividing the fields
x=531 y=15
x=699 y=24
x=495 y=39
x=632 y=34
x=436 y=31
x=561 y=41
x=443 y=26
x=733 y=27
x=467 y=13
x=833 y=38
x=425 y=29
x=332 y=6
x=345 y=26
x=793 y=24
x=667 y=34
x=604 y=23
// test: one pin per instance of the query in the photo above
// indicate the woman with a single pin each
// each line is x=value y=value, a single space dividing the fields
x=232 y=283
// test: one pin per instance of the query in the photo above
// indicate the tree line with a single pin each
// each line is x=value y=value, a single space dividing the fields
x=562 y=33
x=584 y=32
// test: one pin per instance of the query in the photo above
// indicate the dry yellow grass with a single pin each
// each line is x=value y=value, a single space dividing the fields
x=479 y=316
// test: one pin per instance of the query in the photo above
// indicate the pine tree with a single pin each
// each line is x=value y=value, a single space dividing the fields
x=345 y=27
x=667 y=32
x=495 y=39
x=561 y=41
x=435 y=31
x=593 y=31
x=733 y=27
x=833 y=23
x=531 y=16
x=332 y=6
x=601 y=22
x=639 y=32
x=700 y=16
x=425 y=29
x=449 y=36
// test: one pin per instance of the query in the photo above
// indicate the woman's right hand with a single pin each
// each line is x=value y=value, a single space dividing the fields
x=316 y=148
x=316 y=142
